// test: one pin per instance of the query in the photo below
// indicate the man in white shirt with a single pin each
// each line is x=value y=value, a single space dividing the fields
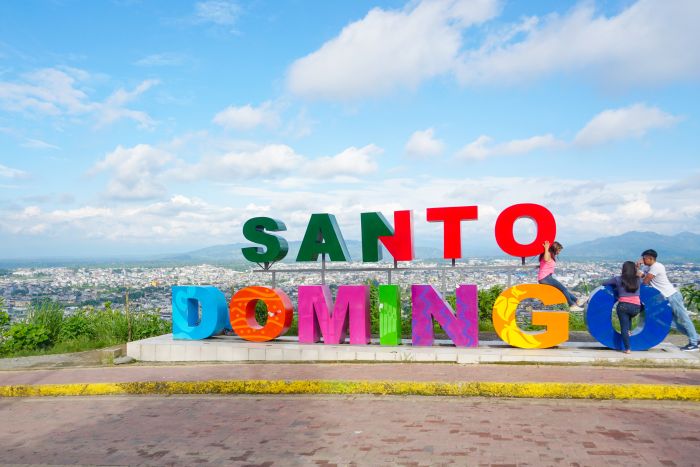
x=654 y=273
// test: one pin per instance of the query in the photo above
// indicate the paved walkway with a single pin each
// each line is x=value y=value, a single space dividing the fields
x=355 y=372
x=340 y=430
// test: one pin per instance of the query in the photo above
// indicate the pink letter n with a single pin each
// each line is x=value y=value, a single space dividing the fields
x=463 y=329
x=316 y=320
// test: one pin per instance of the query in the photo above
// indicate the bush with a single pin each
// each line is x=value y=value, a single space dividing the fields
x=487 y=297
x=109 y=324
x=261 y=313
x=49 y=314
x=4 y=316
x=25 y=336
x=4 y=320
x=47 y=330
x=148 y=324
x=691 y=296
x=76 y=326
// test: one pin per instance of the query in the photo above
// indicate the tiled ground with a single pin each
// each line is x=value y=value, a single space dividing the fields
x=336 y=430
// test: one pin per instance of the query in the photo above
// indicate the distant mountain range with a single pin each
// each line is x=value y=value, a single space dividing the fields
x=232 y=252
x=681 y=247
x=684 y=246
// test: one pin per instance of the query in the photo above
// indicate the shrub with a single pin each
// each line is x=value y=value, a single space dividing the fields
x=4 y=319
x=109 y=324
x=49 y=314
x=76 y=327
x=294 y=328
x=25 y=336
x=147 y=324
x=4 y=316
x=487 y=297
x=691 y=296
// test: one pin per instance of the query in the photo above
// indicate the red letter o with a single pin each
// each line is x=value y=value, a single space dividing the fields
x=544 y=220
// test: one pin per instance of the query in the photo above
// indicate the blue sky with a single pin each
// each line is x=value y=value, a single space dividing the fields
x=132 y=127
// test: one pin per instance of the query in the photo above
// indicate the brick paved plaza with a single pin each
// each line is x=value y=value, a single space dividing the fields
x=342 y=430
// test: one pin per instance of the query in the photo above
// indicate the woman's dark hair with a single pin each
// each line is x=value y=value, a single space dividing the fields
x=554 y=250
x=629 y=276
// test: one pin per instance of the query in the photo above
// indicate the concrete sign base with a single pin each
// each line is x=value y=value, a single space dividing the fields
x=287 y=349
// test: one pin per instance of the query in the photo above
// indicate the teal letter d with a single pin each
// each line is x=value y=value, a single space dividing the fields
x=187 y=322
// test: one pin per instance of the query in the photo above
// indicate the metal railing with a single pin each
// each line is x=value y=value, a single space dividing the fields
x=267 y=268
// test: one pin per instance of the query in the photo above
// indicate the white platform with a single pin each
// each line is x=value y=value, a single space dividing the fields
x=287 y=349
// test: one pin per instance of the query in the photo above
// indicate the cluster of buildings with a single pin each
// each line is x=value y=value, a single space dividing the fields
x=150 y=287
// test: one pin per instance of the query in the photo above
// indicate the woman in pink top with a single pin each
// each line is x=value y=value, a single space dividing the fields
x=629 y=305
x=548 y=261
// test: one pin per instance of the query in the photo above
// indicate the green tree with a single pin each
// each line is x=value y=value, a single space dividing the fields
x=487 y=297
x=691 y=296
x=4 y=316
x=261 y=313
x=373 y=307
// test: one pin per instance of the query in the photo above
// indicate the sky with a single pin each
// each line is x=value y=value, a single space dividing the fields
x=144 y=127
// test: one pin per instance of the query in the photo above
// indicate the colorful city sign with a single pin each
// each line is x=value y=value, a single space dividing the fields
x=201 y=312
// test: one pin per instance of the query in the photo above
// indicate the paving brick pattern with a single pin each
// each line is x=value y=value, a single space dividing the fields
x=339 y=430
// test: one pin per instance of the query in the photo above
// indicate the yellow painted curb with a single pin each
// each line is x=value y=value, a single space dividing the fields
x=472 y=389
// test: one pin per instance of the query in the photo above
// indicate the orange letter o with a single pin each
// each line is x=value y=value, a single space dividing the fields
x=242 y=313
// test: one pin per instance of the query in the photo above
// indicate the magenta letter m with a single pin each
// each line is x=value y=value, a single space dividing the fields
x=316 y=320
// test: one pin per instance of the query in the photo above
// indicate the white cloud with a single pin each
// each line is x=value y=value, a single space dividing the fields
x=646 y=43
x=248 y=117
x=424 y=144
x=134 y=172
x=637 y=209
x=47 y=91
x=236 y=161
x=57 y=93
x=163 y=59
x=351 y=162
x=270 y=160
x=658 y=205
x=388 y=49
x=179 y=218
x=8 y=172
x=300 y=125
x=113 y=108
x=594 y=216
x=628 y=122
x=609 y=125
x=38 y=144
x=220 y=12
x=483 y=146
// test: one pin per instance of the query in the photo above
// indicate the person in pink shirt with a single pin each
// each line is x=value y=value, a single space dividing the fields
x=545 y=275
x=629 y=305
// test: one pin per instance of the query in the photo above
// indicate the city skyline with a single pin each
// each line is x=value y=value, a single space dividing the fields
x=177 y=122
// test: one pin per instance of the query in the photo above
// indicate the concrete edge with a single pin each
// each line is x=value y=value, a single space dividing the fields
x=231 y=349
x=471 y=389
